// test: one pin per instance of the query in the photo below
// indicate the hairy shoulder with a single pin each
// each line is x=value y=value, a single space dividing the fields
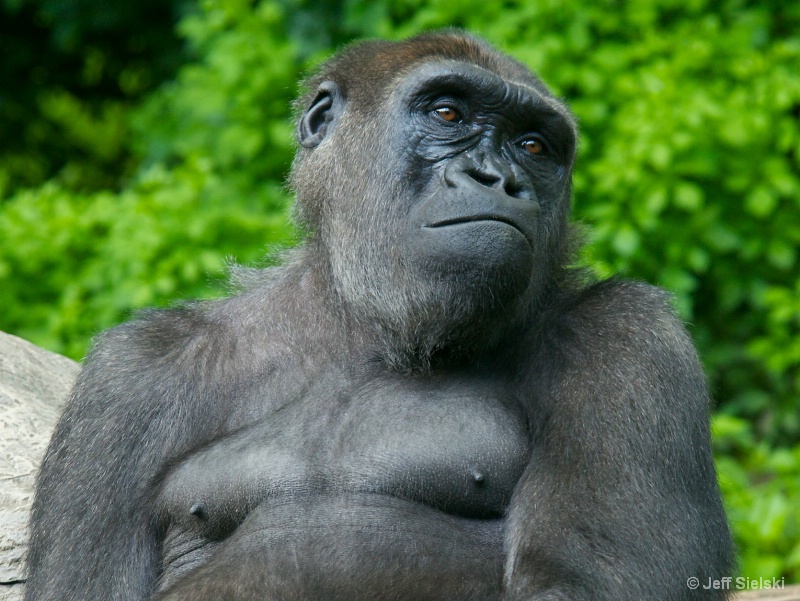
x=199 y=336
x=159 y=344
x=625 y=315
x=622 y=339
x=249 y=352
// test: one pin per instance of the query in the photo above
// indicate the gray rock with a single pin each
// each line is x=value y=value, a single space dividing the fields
x=785 y=593
x=34 y=383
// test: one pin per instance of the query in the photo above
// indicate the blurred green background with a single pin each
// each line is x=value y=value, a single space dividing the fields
x=145 y=145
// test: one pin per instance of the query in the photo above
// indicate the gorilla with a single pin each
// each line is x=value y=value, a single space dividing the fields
x=422 y=402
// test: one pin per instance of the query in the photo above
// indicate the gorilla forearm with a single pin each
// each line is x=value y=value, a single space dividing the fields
x=620 y=499
x=350 y=546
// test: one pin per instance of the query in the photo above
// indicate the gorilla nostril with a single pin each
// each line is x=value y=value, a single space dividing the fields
x=515 y=191
x=485 y=179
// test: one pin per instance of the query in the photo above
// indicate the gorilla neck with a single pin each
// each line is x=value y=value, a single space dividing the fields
x=413 y=326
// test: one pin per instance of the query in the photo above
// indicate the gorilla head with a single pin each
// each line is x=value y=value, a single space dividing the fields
x=457 y=214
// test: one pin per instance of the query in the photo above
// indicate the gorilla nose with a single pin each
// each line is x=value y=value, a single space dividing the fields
x=489 y=173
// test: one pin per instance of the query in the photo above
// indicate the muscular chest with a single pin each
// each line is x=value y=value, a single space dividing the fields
x=456 y=444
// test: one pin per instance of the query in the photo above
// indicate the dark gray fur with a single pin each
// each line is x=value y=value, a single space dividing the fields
x=419 y=404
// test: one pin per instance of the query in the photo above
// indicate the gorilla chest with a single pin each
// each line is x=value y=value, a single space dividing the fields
x=459 y=446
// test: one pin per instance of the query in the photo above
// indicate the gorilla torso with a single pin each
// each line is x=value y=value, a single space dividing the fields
x=349 y=443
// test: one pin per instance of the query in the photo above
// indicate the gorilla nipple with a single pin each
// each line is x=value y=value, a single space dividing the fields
x=478 y=478
x=199 y=511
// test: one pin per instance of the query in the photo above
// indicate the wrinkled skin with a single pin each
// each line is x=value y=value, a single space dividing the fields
x=419 y=404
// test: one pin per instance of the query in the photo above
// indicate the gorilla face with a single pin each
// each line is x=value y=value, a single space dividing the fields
x=486 y=156
x=463 y=198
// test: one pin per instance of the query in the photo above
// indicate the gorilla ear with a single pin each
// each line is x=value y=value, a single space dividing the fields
x=320 y=117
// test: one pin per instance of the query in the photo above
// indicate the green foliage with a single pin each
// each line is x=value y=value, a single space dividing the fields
x=120 y=194
x=232 y=107
x=761 y=486
x=213 y=150
x=71 y=69
x=72 y=264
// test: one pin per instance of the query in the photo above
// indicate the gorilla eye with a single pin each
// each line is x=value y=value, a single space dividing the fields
x=448 y=113
x=533 y=146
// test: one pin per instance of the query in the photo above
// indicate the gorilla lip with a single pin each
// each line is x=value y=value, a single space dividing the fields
x=477 y=218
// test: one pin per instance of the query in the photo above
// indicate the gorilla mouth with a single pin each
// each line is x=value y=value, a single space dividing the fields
x=478 y=218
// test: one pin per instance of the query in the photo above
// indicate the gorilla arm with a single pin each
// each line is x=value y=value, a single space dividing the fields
x=94 y=535
x=620 y=499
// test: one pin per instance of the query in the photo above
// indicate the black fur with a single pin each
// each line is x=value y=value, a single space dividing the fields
x=419 y=404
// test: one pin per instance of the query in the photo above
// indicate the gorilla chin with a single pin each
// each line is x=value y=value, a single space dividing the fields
x=419 y=404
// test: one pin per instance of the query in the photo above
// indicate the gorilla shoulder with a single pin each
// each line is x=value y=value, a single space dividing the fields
x=639 y=313
x=627 y=332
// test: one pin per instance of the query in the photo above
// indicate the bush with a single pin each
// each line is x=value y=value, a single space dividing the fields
x=212 y=148
x=761 y=486
x=71 y=71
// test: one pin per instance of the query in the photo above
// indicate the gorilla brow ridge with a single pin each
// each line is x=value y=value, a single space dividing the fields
x=364 y=68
